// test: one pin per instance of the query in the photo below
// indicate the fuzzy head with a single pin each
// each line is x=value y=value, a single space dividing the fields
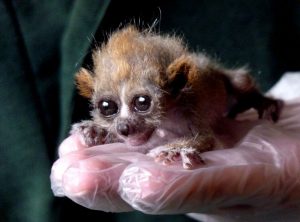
x=137 y=78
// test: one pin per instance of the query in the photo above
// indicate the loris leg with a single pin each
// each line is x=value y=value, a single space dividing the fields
x=267 y=108
x=244 y=95
x=91 y=133
x=188 y=150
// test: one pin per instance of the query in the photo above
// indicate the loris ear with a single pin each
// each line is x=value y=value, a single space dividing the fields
x=84 y=83
x=179 y=74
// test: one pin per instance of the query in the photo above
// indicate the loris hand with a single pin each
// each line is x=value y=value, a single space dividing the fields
x=257 y=179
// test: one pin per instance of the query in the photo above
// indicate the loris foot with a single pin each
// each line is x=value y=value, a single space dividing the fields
x=91 y=134
x=270 y=109
x=267 y=108
x=167 y=155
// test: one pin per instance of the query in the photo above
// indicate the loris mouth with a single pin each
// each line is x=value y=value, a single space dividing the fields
x=139 y=139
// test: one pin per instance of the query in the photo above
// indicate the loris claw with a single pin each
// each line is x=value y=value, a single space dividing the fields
x=148 y=90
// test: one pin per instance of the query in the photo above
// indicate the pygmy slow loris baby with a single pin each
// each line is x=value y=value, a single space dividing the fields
x=148 y=90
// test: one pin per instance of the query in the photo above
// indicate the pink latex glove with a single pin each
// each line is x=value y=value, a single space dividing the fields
x=256 y=180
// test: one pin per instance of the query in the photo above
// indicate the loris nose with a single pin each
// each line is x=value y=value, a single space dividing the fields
x=123 y=129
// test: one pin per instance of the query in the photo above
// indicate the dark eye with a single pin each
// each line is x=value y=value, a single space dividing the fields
x=108 y=107
x=142 y=103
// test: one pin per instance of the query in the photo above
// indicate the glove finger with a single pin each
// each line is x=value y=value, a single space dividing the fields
x=74 y=143
x=94 y=182
x=70 y=144
x=90 y=176
x=72 y=152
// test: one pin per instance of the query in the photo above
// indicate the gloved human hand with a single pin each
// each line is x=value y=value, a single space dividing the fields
x=256 y=180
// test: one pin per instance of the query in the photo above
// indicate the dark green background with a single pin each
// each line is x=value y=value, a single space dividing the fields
x=43 y=43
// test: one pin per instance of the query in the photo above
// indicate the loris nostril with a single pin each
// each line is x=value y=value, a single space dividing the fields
x=123 y=129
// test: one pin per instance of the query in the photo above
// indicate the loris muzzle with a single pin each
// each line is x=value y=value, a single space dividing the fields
x=148 y=90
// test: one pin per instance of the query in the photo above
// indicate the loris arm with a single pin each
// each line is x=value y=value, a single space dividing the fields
x=244 y=94
x=92 y=133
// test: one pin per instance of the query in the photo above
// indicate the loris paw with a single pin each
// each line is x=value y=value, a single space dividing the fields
x=167 y=155
x=91 y=134
x=270 y=109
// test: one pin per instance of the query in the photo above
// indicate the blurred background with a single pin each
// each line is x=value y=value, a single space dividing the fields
x=43 y=43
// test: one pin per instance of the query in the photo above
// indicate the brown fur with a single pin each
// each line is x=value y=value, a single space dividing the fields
x=184 y=87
